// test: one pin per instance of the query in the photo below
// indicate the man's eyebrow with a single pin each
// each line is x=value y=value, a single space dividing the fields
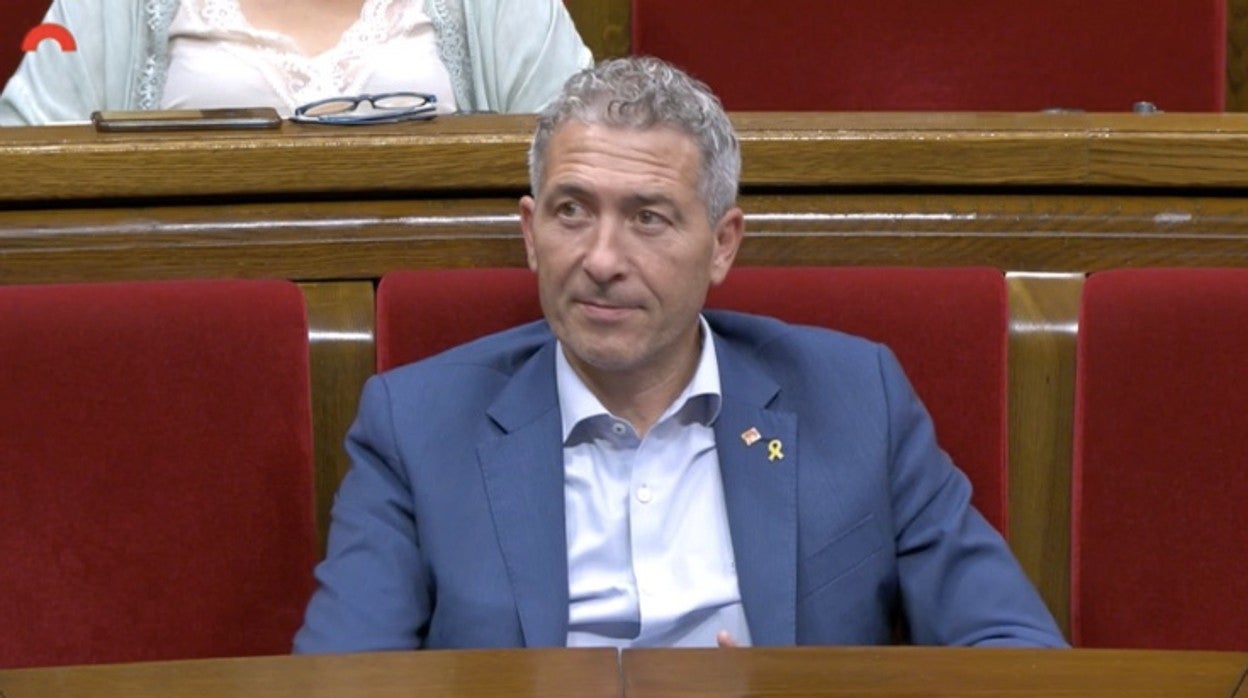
x=650 y=199
x=645 y=199
x=635 y=200
x=572 y=189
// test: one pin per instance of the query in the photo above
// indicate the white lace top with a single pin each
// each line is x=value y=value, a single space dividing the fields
x=218 y=59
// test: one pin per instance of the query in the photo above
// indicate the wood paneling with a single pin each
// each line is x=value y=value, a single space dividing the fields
x=341 y=356
x=1237 y=55
x=604 y=26
x=486 y=153
x=336 y=240
x=1044 y=317
x=331 y=240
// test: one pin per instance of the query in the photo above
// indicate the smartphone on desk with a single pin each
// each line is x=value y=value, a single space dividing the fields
x=186 y=119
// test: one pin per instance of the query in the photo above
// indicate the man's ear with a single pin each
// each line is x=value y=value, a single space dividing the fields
x=728 y=234
x=528 y=210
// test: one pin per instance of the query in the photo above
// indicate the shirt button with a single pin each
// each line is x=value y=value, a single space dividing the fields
x=619 y=428
x=644 y=495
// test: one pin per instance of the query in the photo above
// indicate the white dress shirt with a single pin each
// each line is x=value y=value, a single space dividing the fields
x=650 y=561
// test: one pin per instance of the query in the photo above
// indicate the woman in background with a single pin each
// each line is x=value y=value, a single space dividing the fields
x=474 y=55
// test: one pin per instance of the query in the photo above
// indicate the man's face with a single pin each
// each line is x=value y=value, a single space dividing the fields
x=624 y=253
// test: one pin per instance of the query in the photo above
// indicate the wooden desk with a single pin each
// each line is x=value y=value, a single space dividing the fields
x=806 y=671
x=554 y=673
x=467 y=155
x=933 y=672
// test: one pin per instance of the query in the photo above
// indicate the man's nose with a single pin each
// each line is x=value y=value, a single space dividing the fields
x=605 y=258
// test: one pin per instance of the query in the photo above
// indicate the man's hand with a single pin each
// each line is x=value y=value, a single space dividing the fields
x=724 y=639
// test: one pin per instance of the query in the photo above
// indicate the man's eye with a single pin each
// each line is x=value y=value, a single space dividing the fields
x=650 y=219
x=569 y=209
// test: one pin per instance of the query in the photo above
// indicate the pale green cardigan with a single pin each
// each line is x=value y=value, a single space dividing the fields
x=502 y=55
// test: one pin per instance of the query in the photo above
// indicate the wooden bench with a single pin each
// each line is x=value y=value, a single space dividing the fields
x=1045 y=198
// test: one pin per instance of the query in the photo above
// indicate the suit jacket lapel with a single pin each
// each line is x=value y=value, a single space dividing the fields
x=523 y=473
x=760 y=492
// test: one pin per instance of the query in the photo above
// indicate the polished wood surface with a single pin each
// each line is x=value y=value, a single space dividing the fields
x=605 y=25
x=538 y=673
x=804 y=671
x=1236 y=54
x=364 y=238
x=341 y=356
x=487 y=152
x=931 y=672
x=1044 y=321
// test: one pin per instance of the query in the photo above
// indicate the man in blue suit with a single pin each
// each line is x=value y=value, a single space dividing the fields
x=635 y=471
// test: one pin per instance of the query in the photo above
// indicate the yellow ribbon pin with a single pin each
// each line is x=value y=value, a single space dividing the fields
x=773 y=450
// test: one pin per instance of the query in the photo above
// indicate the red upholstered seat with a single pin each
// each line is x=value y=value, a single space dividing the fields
x=947 y=327
x=156 y=496
x=951 y=55
x=1160 y=543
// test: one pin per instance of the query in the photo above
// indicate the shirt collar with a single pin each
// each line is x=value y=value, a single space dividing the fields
x=577 y=403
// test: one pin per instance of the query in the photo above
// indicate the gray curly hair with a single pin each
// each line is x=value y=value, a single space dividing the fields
x=642 y=92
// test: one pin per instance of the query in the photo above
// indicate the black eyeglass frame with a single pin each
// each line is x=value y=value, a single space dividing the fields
x=383 y=115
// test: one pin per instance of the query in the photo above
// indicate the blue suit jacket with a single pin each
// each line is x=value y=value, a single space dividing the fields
x=449 y=529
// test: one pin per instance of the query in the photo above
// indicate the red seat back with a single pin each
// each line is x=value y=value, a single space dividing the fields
x=1160 y=546
x=945 y=55
x=947 y=327
x=424 y=311
x=17 y=18
x=156 y=497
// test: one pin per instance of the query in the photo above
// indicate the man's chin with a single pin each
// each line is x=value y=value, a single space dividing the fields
x=600 y=359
